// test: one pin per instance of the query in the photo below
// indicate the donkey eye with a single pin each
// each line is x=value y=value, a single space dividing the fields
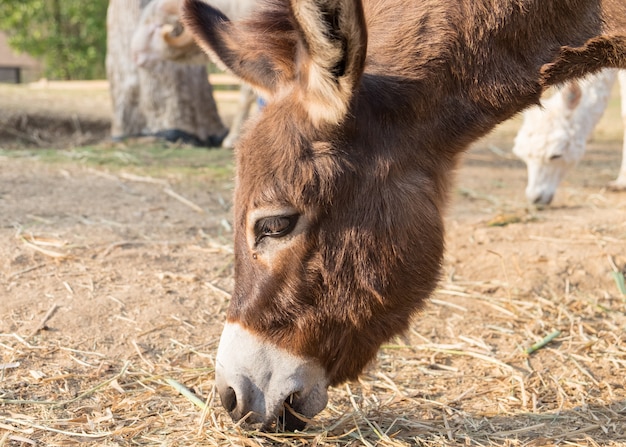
x=555 y=156
x=274 y=226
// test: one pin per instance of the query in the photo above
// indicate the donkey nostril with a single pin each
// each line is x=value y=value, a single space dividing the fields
x=229 y=399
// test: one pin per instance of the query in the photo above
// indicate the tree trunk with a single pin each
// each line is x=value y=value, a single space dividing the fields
x=167 y=100
x=127 y=118
x=179 y=97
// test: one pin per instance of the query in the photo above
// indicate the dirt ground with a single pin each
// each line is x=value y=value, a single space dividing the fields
x=116 y=263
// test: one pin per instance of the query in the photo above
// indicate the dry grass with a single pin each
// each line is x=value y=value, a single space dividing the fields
x=569 y=391
x=487 y=363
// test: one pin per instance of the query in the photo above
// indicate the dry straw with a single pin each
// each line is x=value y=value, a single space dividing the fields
x=485 y=364
x=480 y=388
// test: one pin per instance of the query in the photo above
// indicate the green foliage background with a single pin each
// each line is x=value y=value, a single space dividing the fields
x=68 y=35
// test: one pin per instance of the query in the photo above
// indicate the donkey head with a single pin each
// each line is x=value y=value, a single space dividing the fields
x=337 y=242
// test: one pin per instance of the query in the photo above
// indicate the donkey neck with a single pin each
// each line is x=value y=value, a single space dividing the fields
x=462 y=69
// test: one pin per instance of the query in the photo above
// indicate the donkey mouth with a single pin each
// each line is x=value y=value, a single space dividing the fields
x=290 y=418
x=287 y=418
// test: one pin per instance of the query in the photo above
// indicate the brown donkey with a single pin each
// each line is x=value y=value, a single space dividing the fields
x=343 y=179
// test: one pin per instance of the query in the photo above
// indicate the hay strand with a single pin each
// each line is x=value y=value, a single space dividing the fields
x=187 y=393
x=44 y=251
x=618 y=276
x=62 y=432
x=9 y=365
x=620 y=282
x=543 y=342
x=143 y=179
x=475 y=355
x=44 y=320
x=170 y=192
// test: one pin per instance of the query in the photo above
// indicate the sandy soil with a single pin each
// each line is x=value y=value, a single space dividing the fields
x=115 y=273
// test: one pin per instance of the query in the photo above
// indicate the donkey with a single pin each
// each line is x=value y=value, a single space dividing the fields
x=552 y=138
x=161 y=36
x=342 y=181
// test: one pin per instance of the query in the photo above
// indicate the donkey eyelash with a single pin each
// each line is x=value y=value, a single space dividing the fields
x=274 y=226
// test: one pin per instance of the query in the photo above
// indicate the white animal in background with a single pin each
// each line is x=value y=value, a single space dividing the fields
x=553 y=138
x=160 y=36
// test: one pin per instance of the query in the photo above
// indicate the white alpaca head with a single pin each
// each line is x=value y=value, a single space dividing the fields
x=160 y=36
x=553 y=137
x=550 y=143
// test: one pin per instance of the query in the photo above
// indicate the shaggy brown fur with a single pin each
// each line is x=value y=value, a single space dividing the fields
x=407 y=85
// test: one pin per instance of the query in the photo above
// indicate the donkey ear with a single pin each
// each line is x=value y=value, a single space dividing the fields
x=316 y=47
x=331 y=55
x=238 y=49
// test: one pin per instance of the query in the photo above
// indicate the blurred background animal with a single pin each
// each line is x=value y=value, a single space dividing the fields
x=160 y=35
x=553 y=137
